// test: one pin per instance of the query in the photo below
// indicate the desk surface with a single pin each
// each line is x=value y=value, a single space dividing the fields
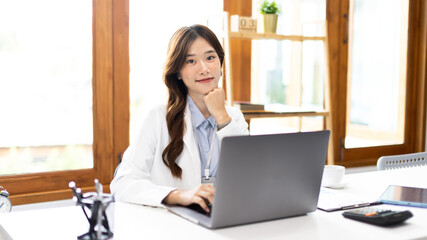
x=156 y=223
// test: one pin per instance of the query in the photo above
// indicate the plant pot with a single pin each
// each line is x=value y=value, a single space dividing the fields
x=270 y=23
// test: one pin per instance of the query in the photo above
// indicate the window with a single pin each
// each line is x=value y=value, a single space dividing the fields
x=46 y=87
x=288 y=72
x=377 y=75
x=66 y=109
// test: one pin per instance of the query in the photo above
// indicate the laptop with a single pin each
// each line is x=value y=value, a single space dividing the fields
x=264 y=177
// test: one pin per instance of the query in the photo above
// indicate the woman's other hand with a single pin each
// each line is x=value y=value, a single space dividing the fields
x=201 y=195
x=215 y=102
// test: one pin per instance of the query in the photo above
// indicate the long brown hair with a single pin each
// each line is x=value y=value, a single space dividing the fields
x=177 y=50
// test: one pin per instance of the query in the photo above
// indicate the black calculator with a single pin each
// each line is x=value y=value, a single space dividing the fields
x=377 y=216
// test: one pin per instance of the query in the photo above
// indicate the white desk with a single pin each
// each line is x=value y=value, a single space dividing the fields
x=139 y=222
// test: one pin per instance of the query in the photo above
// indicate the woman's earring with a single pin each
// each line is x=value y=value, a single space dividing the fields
x=179 y=76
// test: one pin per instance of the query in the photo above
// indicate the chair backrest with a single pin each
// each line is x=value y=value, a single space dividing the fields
x=117 y=169
x=402 y=161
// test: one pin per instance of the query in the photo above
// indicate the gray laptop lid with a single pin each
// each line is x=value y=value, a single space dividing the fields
x=265 y=177
x=268 y=176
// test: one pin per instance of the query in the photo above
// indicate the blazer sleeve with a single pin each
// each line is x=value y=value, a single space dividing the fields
x=132 y=182
x=237 y=126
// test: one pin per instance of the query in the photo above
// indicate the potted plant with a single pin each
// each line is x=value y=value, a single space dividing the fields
x=270 y=11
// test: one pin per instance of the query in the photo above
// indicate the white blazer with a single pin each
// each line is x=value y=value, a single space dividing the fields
x=143 y=178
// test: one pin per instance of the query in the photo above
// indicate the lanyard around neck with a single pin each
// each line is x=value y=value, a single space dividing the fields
x=208 y=163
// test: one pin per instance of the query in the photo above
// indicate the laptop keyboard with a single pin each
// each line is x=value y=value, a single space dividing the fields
x=199 y=209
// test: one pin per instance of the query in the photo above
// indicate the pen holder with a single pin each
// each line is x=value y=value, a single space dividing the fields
x=95 y=206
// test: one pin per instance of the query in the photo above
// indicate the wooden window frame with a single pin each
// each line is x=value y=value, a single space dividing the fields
x=110 y=112
x=414 y=132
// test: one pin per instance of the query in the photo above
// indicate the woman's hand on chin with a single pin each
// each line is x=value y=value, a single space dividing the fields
x=215 y=102
x=201 y=195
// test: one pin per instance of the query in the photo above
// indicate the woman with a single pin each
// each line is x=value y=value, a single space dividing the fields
x=178 y=145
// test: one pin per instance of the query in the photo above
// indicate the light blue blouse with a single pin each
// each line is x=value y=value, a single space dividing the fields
x=204 y=129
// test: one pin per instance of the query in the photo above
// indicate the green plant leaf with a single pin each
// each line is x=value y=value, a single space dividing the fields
x=268 y=7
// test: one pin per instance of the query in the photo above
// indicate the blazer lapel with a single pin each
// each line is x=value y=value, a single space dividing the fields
x=190 y=143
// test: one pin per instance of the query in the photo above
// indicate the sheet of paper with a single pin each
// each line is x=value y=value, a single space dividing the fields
x=332 y=200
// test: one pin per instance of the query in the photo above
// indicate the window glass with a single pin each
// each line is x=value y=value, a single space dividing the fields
x=149 y=35
x=45 y=85
x=289 y=72
x=377 y=74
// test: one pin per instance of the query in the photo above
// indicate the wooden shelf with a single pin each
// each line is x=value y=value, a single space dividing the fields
x=226 y=35
x=254 y=35
x=250 y=114
x=283 y=110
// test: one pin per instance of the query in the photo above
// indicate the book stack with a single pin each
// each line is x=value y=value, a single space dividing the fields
x=248 y=106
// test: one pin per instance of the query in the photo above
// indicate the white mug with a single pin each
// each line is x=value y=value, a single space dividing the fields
x=332 y=174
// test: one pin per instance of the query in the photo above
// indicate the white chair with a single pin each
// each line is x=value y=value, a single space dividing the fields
x=117 y=169
x=402 y=161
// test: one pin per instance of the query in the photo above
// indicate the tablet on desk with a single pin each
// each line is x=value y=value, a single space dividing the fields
x=407 y=196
